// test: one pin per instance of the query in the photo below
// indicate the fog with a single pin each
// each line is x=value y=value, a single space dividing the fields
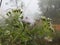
x=30 y=8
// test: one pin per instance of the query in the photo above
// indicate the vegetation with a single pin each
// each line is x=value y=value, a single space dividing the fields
x=16 y=32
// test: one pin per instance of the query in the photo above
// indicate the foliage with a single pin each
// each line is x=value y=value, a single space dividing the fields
x=15 y=32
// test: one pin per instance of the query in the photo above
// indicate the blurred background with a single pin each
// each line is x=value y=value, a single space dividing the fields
x=51 y=9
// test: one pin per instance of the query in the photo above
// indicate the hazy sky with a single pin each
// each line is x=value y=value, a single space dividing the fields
x=30 y=7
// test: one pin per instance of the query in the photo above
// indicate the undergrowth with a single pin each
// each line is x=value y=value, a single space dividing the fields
x=16 y=32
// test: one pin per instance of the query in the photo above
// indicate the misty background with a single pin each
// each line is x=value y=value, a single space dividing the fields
x=49 y=8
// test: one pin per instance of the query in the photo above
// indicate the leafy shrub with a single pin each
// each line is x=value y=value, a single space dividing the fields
x=15 y=32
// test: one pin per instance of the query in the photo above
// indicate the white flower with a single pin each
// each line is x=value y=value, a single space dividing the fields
x=48 y=39
x=7 y=32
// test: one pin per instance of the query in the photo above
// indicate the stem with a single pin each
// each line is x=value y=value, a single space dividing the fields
x=0 y=3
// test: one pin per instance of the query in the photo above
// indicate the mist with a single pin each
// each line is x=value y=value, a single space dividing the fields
x=30 y=8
